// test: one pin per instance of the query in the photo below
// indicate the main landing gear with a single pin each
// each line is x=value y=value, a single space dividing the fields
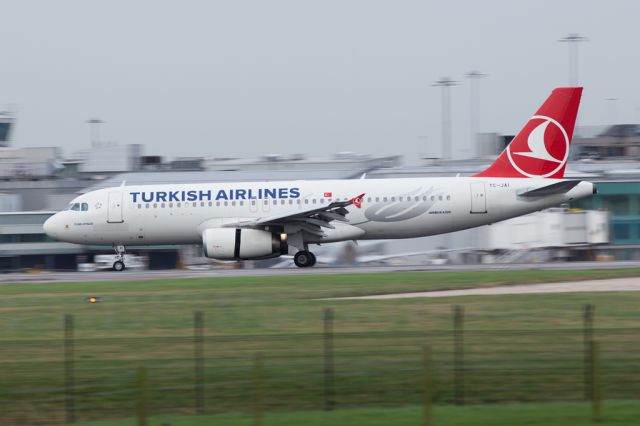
x=304 y=258
x=118 y=265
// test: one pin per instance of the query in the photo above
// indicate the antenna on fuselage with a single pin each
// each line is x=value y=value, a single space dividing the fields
x=123 y=183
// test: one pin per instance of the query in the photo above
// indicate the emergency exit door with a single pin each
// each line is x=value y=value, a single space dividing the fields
x=478 y=198
x=114 y=212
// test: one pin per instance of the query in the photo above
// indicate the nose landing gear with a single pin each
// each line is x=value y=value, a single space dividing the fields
x=118 y=265
x=304 y=259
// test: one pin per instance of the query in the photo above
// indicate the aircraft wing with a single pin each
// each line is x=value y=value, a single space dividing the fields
x=310 y=220
x=553 y=189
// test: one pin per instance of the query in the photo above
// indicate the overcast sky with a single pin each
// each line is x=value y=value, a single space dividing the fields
x=243 y=78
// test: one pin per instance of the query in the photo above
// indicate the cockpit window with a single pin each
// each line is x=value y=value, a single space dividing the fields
x=76 y=207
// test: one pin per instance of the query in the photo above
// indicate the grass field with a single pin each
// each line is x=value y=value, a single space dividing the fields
x=618 y=413
x=517 y=348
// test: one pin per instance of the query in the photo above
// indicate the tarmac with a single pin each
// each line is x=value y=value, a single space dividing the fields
x=131 y=275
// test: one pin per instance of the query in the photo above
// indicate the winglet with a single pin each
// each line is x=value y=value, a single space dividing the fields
x=541 y=149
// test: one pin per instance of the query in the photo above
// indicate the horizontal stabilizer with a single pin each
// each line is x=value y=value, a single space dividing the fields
x=553 y=189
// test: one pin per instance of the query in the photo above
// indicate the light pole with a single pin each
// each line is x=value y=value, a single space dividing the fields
x=612 y=103
x=474 y=106
x=446 y=83
x=94 y=126
x=573 y=39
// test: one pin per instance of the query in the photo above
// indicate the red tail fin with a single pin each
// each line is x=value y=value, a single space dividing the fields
x=541 y=149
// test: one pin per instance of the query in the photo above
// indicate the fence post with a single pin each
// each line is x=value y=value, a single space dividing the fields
x=596 y=387
x=69 y=370
x=458 y=353
x=198 y=355
x=329 y=391
x=142 y=397
x=588 y=313
x=428 y=386
x=258 y=390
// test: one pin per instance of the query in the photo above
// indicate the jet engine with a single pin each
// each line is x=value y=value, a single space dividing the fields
x=242 y=244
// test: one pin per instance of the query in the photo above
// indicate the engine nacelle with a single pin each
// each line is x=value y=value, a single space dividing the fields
x=242 y=244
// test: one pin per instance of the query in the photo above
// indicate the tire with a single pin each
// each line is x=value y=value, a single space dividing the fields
x=118 y=266
x=303 y=259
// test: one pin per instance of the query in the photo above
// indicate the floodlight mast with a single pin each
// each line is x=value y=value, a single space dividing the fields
x=446 y=83
x=573 y=39
x=474 y=106
x=94 y=125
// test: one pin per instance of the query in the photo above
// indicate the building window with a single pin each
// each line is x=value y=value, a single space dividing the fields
x=617 y=204
x=621 y=231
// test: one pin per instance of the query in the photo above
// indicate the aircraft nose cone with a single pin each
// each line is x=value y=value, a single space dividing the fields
x=48 y=227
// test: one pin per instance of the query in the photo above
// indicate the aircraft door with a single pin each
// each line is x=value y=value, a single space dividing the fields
x=478 y=198
x=266 y=205
x=114 y=212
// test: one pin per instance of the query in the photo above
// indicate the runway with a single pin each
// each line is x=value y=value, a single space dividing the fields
x=608 y=285
x=129 y=275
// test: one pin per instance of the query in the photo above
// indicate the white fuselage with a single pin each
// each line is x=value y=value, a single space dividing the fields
x=390 y=208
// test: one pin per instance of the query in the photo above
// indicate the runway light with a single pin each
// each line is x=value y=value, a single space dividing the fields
x=93 y=299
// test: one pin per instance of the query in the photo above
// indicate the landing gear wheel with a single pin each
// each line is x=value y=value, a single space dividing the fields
x=118 y=265
x=304 y=258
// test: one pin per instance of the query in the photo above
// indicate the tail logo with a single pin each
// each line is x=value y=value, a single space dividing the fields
x=543 y=151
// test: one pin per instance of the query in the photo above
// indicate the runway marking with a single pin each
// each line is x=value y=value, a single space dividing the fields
x=608 y=285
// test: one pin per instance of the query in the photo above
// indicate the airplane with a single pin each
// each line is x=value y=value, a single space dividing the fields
x=259 y=220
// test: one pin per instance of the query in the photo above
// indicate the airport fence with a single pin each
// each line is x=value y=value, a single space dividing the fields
x=73 y=379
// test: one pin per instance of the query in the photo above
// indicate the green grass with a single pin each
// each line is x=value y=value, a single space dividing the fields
x=518 y=347
x=618 y=413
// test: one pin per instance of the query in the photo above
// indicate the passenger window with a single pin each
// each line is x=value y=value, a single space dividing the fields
x=448 y=197
x=384 y=199
x=393 y=198
x=377 y=199
x=369 y=199
x=400 y=199
x=85 y=207
x=177 y=204
x=210 y=203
